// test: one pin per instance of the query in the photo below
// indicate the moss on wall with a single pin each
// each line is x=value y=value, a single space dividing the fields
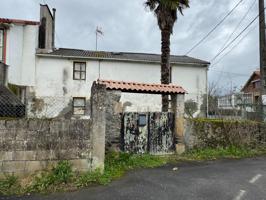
x=223 y=133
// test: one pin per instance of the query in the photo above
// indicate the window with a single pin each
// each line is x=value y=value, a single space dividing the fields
x=79 y=72
x=1 y=45
x=79 y=106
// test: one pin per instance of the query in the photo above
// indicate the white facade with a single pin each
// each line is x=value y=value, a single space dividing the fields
x=56 y=87
x=20 y=54
x=236 y=101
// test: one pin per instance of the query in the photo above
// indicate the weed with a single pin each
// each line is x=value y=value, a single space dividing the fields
x=62 y=178
x=9 y=185
x=217 y=153
x=61 y=174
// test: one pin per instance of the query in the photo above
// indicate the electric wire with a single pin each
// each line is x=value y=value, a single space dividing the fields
x=233 y=48
x=229 y=44
x=238 y=25
x=215 y=27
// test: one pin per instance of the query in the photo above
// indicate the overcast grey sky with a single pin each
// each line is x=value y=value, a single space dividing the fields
x=128 y=26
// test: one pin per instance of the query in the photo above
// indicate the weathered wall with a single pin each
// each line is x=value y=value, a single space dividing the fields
x=202 y=133
x=29 y=145
x=54 y=78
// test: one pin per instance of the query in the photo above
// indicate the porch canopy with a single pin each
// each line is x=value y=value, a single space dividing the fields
x=134 y=87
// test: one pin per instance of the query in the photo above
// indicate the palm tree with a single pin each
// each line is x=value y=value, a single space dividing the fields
x=166 y=13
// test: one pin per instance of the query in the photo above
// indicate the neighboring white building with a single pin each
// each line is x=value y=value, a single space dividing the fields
x=236 y=101
x=57 y=82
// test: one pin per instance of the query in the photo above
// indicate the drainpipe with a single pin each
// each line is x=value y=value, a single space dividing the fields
x=53 y=29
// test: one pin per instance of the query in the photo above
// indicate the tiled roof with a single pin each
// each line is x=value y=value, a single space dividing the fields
x=18 y=21
x=123 y=56
x=142 y=87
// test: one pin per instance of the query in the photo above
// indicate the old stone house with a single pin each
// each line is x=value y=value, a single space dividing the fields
x=57 y=82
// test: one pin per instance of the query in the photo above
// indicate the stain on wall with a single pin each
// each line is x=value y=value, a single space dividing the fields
x=65 y=79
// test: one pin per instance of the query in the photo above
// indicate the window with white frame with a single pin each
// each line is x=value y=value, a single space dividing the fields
x=79 y=71
x=1 y=45
x=79 y=106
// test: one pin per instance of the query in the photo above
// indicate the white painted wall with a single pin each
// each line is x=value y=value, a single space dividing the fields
x=21 y=47
x=55 y=84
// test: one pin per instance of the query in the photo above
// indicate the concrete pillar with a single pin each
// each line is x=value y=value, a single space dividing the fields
x=98 y=112
x=178 y=108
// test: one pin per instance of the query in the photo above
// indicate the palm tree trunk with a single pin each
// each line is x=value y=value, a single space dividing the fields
x=165 y=65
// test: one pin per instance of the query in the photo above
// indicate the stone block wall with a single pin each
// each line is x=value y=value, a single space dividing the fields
x=29 y=145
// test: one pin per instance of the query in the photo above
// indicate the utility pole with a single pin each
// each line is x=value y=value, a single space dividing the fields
x=262 y=57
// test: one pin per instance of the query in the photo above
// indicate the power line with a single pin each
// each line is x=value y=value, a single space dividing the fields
x=228 y=45
x=215 y=27
x=238 y=25
x=232 y=73
x=213 y=65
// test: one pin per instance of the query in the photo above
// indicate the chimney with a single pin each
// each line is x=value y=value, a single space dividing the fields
x=53 y=34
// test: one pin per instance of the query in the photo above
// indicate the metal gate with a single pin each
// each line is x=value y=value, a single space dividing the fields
x=148 y=133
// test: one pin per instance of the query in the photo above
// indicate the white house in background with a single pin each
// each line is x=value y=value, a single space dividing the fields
x=236 y=101
x=57 y=82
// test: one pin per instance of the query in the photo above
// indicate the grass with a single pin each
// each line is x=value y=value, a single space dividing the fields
x=219 y=153
x=116 y=165
x=62 y=178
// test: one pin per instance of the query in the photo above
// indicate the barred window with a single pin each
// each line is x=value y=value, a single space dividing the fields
x=1 y=45
x=79 y=105
x=79 y=71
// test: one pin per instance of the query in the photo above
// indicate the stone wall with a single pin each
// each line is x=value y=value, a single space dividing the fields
x=29 y=145
x=208 y=133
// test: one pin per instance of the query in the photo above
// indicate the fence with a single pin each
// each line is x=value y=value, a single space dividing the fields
x=29 y=145
x=46 y=107
x=49 y=107
x=10 y=105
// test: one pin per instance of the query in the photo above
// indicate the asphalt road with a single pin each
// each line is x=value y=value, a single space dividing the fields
x=225 y=179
